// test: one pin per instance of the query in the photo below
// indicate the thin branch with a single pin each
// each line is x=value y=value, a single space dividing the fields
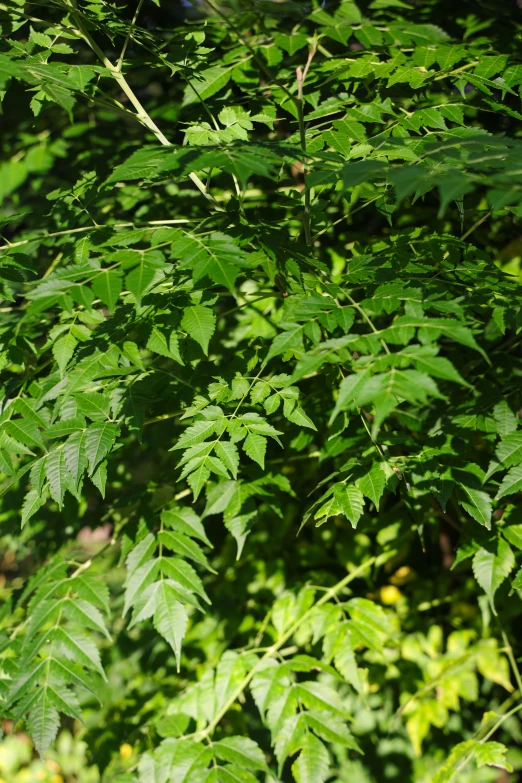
x=41 y=237
x=141 y=114
x=477 y=224
x=129 y=35
x=301 y=78
x=511 y=658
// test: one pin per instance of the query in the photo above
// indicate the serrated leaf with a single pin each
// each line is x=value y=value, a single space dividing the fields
x=170 y=618
x=509 y=450
x=165 y=344
x=24 y=431
x=85 y=614
x=183 y=545
x=66 y=427
x=241 y=751
x=63 y=350
x=286 y=341
x=318 y=695
x=75 y=454
x=78 y=647
x=331 y=728
x=492 y=754
x=255 y=447
x=492 y=568
x=313 y=763
x=33 y=501
x=182 y=572
x=185 y=520
x=511 y=483
x=229 y=455
x=200 y=323
x=139 y=579
x=505 y=418
x=351 y=502
x=43 y=724
x=99 y=439
x=372 y=485
x=140 y=279
x=58 y=474
x=476 y=502
x=107 y=286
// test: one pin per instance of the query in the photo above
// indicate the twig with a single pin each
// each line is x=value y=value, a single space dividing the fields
x=141 y=114
x=301 y=78
x=129 y=35
x=511 y=657
x=477 y=224
x=151 y=223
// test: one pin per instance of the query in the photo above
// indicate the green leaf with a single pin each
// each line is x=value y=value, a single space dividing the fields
x=170 y=617
x=492 y=754
x=75 y=454
x=93 y=404
x=43 y=723
x=351 y=502
x=285 y=341
x=476 y=502
x=331 y=728
x=255 y=447
x=200 y=323
x=509 y=450
x=140 y=279
x=186 y=521
x=241 y=751
x=372 y=484
x=66 y=427
x=107 y=286
x=99 y=439
x=57 y=474
x=78 y=647
x=183 y=545
x=459 y=753
x=24 y=431
x=206 y=84
x=33 y=501
x=317 y=695
x=164 y=345
x=63 y=350
x=229 y=455
x=505 y=419
x=511 y=483
x=492 y=568
x=313 y=763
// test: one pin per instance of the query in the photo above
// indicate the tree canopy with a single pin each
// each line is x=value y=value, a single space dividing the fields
x=260 y=464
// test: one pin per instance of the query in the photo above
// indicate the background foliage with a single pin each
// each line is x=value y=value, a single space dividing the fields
x=260 y=370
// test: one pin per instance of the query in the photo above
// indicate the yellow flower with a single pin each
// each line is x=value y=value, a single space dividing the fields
x=126 y=751
x=390 y=594
x=403 y=575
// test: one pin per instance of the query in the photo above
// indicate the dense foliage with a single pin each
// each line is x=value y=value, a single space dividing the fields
x=260 y=362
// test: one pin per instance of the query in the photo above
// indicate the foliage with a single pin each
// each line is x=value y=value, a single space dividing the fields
x=260 y=372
